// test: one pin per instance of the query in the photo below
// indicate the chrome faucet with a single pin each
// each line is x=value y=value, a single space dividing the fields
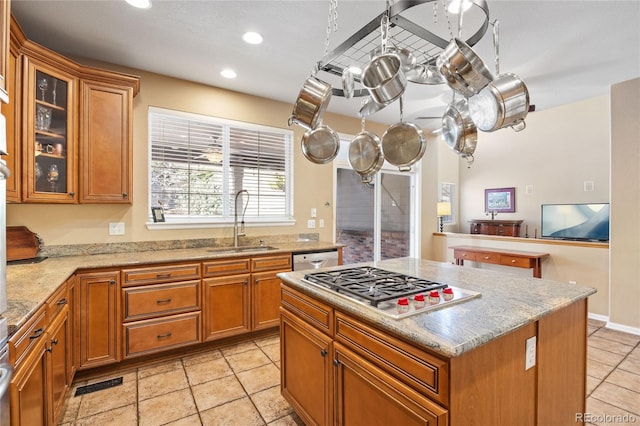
x=493 y=213
x=241 y=233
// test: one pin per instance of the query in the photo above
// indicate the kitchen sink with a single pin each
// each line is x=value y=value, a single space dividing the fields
x=247 y=249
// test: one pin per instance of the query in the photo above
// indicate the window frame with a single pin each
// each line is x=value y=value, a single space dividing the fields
x=223 y=221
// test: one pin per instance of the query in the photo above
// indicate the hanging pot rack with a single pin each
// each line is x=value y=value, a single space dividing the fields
x=405 y=34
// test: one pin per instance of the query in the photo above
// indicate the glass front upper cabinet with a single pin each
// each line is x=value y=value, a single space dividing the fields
x=50 y=137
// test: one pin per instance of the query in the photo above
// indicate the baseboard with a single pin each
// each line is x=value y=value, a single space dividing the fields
x=598 y=317
x=624 y=328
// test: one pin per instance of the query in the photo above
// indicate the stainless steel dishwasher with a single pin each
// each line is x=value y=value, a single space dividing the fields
x=315 y=259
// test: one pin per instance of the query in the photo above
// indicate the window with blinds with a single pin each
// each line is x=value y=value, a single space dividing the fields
x=198 y=164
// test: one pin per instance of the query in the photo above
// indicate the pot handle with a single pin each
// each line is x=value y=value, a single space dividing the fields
x=404 y=168
x=519 y=125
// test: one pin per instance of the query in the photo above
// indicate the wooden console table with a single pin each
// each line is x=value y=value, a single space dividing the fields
x=518 y=259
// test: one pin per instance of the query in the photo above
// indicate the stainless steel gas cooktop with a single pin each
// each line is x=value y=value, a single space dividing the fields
x=394 y=294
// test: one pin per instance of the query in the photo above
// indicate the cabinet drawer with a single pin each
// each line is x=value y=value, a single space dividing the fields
x=312 y=311
x=424 y=372
x=58 y=300
x=520 y=262
x=160 y=299
x=27 y=337
x=160 y=274
x=488 y=258
x=464 y=255
x=149 y=336
x=233 y=266
x=269 y=263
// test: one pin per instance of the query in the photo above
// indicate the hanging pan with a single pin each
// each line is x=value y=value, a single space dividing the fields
x=403 y=144
x=365 y=154
x=321 y=144
x=312 y=101
x=458 y=130
x=463 y=68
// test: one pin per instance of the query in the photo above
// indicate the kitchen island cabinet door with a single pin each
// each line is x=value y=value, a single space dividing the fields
x=106 y=166
x=99 y=326
x=59 y=351
x=306 y=376
x=366 y=395
x=226 y=306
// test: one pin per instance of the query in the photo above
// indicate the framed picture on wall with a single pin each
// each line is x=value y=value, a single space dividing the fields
x=501 y=200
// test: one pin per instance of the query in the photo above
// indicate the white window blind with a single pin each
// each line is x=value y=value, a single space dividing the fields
x=199 y=163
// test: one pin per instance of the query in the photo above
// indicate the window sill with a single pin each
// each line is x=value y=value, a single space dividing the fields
x=191 y=224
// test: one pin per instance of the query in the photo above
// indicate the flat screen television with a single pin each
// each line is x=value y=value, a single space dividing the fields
x=576 y=222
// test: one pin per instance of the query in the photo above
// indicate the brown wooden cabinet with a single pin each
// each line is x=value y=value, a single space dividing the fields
x=12 y=112
x=227 y=306
x=5 y=68
x=505 y=228
x=98 y=318
x=29 y=405
x=74 y=144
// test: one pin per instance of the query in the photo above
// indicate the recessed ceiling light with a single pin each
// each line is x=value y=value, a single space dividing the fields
x=454 y=6
x=252 y=37
x=140 y=4
x=228 y=73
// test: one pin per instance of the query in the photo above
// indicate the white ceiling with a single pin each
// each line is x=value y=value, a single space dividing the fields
x=565 y=51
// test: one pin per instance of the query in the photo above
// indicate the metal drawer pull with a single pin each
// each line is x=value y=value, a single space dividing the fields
x=513 y=261
x=62 y=301
x=487 y=257
x=54 y=342
x=163 y=301
x=162 y=336
x=163 y=275
x=37 y=333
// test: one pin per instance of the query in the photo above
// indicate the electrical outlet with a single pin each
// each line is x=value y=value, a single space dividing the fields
x=588 y=185
x=116 y=228
x=321 y=223
x=314 y=212
x=528 y=189
x=530 y=353
x=572 y=282
x=311 y=223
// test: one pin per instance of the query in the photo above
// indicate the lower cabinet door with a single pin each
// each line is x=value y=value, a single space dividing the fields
x=306 y=373
x=265 y=298
x=60 y=355
x=226 y=306
x=366 y=395
x=29 y=404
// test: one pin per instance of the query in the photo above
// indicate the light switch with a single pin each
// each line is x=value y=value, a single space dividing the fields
x=321 y=223
x=314 y=212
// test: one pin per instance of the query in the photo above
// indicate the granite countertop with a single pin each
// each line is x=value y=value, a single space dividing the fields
x=29 y=285
x=507 y=302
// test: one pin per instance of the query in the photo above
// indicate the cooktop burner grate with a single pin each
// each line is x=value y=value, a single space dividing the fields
x=373 y=284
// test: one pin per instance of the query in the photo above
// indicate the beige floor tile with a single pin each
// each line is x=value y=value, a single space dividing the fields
x=239 y=347
x=605 y=357
x=635 y=354
x=158 y=368
x=201 y=357
x=618 y=397
x=596 y=323
x=247 y=360
x=596 y=341
x=166 y=408
x=288 y=420
x=71 y=406
x=193 y=420
x=271 y=404
x=209 y=370
x=110 y=398
x=602 y=414
x=592 y=383
x=217 y=392
x=272 y=351
x=123 y=416
x=162 y=383
x=625 y=379
x=630 y=364
x=618 y=336
x=598 y=370
x=259 y=378
x=238 y=412
x=273 y=339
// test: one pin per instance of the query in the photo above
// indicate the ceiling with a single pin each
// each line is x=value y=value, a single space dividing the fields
x=565 y=51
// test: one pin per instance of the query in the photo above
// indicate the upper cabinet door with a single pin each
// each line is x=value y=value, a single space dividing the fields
x=5 y=19
x=50 y=170
x=106 y=167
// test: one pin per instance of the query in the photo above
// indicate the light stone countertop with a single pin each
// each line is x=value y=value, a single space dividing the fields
x=508 y=301
x=29 y=285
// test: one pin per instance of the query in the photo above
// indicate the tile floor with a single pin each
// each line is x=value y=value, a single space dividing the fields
x=239 y=385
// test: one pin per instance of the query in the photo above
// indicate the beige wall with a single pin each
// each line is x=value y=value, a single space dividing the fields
x=85 y=224
x=625 y=204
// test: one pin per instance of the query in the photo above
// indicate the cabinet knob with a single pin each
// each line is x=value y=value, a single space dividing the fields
x=513 y=261
x=112 y=282
x=486 y=258
x=72 y=194
x=54 y=342
x=125 y=195
x=323 y=352
x=246 y=281
x=336 y=362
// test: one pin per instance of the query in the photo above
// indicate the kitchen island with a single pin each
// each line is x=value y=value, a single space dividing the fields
x=515 y=355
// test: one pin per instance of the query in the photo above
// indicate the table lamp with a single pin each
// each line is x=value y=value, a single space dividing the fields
x=443 y=209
